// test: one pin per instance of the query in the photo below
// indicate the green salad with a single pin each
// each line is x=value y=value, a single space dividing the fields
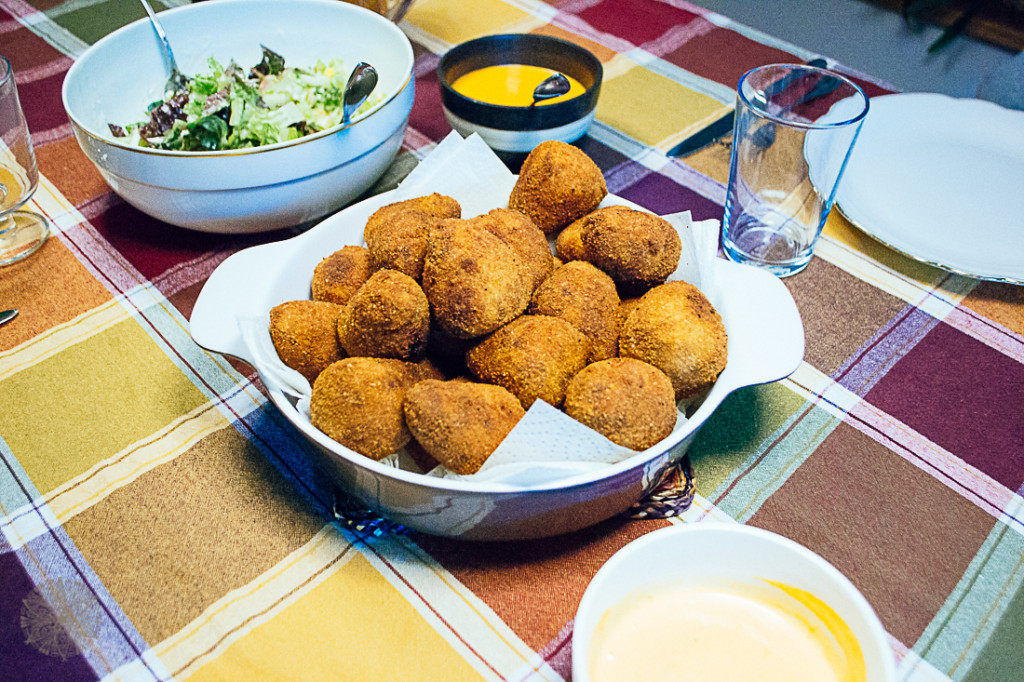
x=230 y=108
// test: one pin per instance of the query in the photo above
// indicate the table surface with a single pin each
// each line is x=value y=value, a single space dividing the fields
x=160 y=520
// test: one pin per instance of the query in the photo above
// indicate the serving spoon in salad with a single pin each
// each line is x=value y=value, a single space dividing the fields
x=359 y=86
x=177 y=82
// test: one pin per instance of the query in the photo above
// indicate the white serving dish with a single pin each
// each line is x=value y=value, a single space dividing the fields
x=252 y=190
x=766 y=343
x=715 y=550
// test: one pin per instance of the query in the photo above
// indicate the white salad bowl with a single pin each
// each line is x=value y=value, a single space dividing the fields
x=766 y=343
x=251 y=190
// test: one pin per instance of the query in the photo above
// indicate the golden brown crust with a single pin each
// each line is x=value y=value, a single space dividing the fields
x=569 y=243
x=396 y=234
x=435 y=205
x=460 y=423
x=473 y=280
x=676 y=329
x=340 y=274
x=523 y=237
x=557 y=184
x=534 y=356
x=586 y=298
x=388 y=317
x=358 y=402
x=628 y=401
x=401 y=244
x=303 y=333
x=636 y=248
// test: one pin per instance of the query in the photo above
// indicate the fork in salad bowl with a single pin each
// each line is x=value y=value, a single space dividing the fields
x=177 y=82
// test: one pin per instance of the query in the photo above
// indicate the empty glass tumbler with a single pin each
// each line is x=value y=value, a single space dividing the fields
x=21 y=232
x=794 y=130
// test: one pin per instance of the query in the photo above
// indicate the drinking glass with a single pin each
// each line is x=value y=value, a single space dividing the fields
x=794 y=129
x=21 y=232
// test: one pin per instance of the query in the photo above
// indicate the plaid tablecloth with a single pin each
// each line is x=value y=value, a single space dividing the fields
x=159 y=519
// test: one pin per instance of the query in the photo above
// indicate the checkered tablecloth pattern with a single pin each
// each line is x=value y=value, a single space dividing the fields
x=159 y=519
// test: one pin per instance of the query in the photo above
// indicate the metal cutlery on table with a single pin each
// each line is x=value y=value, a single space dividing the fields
x=724 y=125
x=7 y=315
x=177 y=82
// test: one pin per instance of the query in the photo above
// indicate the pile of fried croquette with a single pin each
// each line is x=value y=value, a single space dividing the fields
x=439 y=333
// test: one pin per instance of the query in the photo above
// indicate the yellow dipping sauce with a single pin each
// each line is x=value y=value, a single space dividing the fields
x=511 y=85
x=725 y=631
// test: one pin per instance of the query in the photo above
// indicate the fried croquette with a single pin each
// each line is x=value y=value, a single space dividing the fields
x=473 y=280
x=586 y=298
x=557 y=184
x=435 y=205
x=628 y=401
x=568 y=244
x=460 y=423
x=396 y=234
x=676 y=329
x=523 y=237
x=626 y=306
x=534 y=356
x=358 y=402
x=337 y=276
x=304 y=336
x=388 y=317
x=638 y=249
x=402 y=244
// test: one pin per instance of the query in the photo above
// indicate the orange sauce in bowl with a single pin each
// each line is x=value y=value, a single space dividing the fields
x=511 y=85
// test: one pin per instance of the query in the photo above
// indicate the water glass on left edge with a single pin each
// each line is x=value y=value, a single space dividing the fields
x=21 y=232
x=794 y=129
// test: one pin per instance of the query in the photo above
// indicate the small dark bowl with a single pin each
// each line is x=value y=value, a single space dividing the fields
x=517 y=130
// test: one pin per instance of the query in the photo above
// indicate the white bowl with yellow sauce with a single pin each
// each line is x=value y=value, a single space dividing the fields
x=723 y=602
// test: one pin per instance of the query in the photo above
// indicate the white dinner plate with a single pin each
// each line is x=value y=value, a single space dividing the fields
x=940 y=180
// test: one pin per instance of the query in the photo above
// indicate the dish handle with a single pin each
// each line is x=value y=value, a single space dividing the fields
x=229 y=295
x=762 y=317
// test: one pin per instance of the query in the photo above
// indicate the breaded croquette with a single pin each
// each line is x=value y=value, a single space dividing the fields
x=676 y=329
x=436 y=205
x=388 y=317
x=568 y=243
x=358 y=402
x=402 y=244
x=638 y=249
x=628 y=401
x=523 y=237
x=474 y=281
x=557 y=184
x=303 y=333
x=337 y=277
x=460 y=423
x=396 y=234
x=586 y=298
x=534 y=356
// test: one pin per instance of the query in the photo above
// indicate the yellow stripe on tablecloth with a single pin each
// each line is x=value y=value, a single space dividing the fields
x=109 y=475
x=323 y=613
x=467 y=622
x=334 y=607
x=848 y=248
x=843 y=231
x=455 y=21
x=96 y=397
x=662 y=121
x=237 y=613
x=61 y=337
x=126 y=466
